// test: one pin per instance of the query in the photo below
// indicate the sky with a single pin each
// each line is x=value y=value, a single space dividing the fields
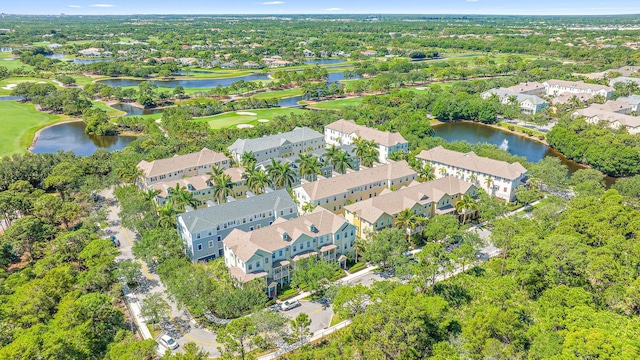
x=127 y=7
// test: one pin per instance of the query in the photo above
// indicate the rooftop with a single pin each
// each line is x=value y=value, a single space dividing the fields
x=473 y=162
x=282 y=233
x=579 y=85
x=523 y=87
x=180 y=162
x=384 y=138
x=208 y=218
x=199 y=182
x=296 y=135
x=613 y=106
x=393 y=202
x=339 y=184
x=609 y=116
x=503 y=93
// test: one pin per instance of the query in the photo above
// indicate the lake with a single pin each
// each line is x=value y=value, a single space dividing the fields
x=290 y=101
x=71 y=137
x=533 y=151
x=135 y=110
x=11 y=98
x=193 y=84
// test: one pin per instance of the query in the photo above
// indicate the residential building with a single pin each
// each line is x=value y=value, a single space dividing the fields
x=497 y=178
x=568 y=97
x=369 y=52
x=339 y=191
x=624 y=79
x=179 y=166
x=295 y=142
x=344 y=132
x=527 y=88
x=423 y=199
x=557 y=87
x=613 y=120
x=615 y=106
x=203 y=230
x=633 y=100
x=529 y=104
x=272 y=252
x=201 y=187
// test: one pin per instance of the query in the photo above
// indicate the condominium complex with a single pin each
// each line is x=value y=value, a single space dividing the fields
x=335 y=193
x=529 y=104
x=422 y=199
x=203 y=230
x=344 y=132
x=557 y=87
x=180 y=166
x=497 y=178
x=271 y=252
x=295 y=142
x=614 y=120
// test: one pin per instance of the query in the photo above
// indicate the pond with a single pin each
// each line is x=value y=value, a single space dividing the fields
x=290 y=101
x=131 y=109
x=324 y=61
x=339 y=76
x=193 y=84
x=533 y=151
x=71 y=137
x=11 y=98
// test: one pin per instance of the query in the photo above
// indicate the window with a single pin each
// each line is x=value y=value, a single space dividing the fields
x=210 y=243
x=219 y=238
x=266 y=260
x=199 y=247
x=250 y=266
x=337 y=236
x=294 y=248
x=257 y=264
x=280 y=253
x=220 y=252
x=273 y=256
x=251 y=228
x=308 y=243
x=198 y=236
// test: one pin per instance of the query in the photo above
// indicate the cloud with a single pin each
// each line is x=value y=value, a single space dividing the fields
x=272 y=3
x=102 y=5
x=73 y=6
x=333 y=9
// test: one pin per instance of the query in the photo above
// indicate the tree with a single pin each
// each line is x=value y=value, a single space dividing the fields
x=551 y=172
x=408 y=222
x=300 y=327
x=308 y=207
x=464 y=254
x=341 y=162
x=281 y=174
x=313 y=273
x=387 y=247
x=432 y=261
x=222 y=187
x=309 y=166
x=178 y=91
x=237 y=336
x=64 y=177
x=167 y=216
x=466 y=206
x=247 y=159
x=426 y=172
x=153 y=308
x=351 y=301
x=269 y=324
x=130 y=271
x=257 y=181
x=181 y=197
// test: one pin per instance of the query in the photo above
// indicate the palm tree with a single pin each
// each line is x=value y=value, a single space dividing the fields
x=370 y=157
x=366 y=151
x=215 y=172
x=222 y=187
x=330 y=154
x=407 y=221
x=425 y=173
x=151 y=194
x=341 y=162
x=474 y=179
x=129 y=174
x=281 y=174
x=308 y=207
x=181 y=197
x=465 y=206
x=443 y=171
x=489 y=182
x=167 y=216
x=257 y=181
x=247 y=158
x=309 y=165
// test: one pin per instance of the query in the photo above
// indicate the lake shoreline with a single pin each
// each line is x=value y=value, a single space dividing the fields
x=37 y=133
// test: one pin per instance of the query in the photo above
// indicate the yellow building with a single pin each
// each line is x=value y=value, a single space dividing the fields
x=339 y=191
x=423 y=199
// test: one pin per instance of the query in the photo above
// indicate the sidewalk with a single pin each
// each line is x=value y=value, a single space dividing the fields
x=136 y=312
x=345 y=279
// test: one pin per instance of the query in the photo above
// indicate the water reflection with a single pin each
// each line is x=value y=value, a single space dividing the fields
x=71 y=137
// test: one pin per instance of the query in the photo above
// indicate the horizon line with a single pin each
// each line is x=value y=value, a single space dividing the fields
x=326 y=14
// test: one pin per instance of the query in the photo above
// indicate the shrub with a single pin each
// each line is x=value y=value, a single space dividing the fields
x=357 y=267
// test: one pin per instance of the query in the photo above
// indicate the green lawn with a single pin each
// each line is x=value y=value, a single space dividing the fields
x=83 y=80
x=280 y=94
x=336 y=104
x=232 y=119
x=111 y=112
x=19 y=123
x=18 y=80
x=14 y=64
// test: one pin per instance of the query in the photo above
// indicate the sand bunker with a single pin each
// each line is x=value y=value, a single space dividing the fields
x=244 y=126
x=42 y=82
x=263 y=120
x=421 y=88
x=10 y=86
x=246 y=113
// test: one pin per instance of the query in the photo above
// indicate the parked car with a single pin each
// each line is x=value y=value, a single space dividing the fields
x=168 y=342
x=288 y=305
x=115 y=241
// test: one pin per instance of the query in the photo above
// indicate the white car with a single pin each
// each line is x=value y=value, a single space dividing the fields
x=168 y=341
x=288 y=305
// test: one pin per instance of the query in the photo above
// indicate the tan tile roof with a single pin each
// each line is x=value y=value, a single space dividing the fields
x=342 y=183
x=180 y=162
x=199 y=182
x=613 y=106
x=564 y=98
x=524 y=87
x=394 y=202
x=384 y=138
x=473 y=162
x=244 y=277
x=608 y=116
x=270 y=238
x=579 y=85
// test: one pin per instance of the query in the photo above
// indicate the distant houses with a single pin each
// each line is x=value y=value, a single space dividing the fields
x=346 y=131
x=497 y=178
x=529 y=104
x=595 y=115
x=558 y=87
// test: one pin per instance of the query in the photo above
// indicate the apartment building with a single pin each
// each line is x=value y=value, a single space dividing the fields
x=613 y=120
x=203 y=230
x=497 y=178
x=344 y=132
x=529 y=104
x=527 y=88
x=180 y=166
x=426 y=199
x=557 y=87
x=337 y=192
x=295 y=142
x=633 y=100
x=271 y=252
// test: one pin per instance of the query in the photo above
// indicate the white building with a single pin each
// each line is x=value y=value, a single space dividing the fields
x=344 y=132
x=497 y=178
x=271 y=253
x=612 y=119
x=529 y=104
x=295 y=142
x=179 y=166
x=557 y=87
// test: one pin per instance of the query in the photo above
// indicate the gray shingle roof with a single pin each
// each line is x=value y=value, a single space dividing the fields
x=208 y=218
x=296 y=135
x=536 y=100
